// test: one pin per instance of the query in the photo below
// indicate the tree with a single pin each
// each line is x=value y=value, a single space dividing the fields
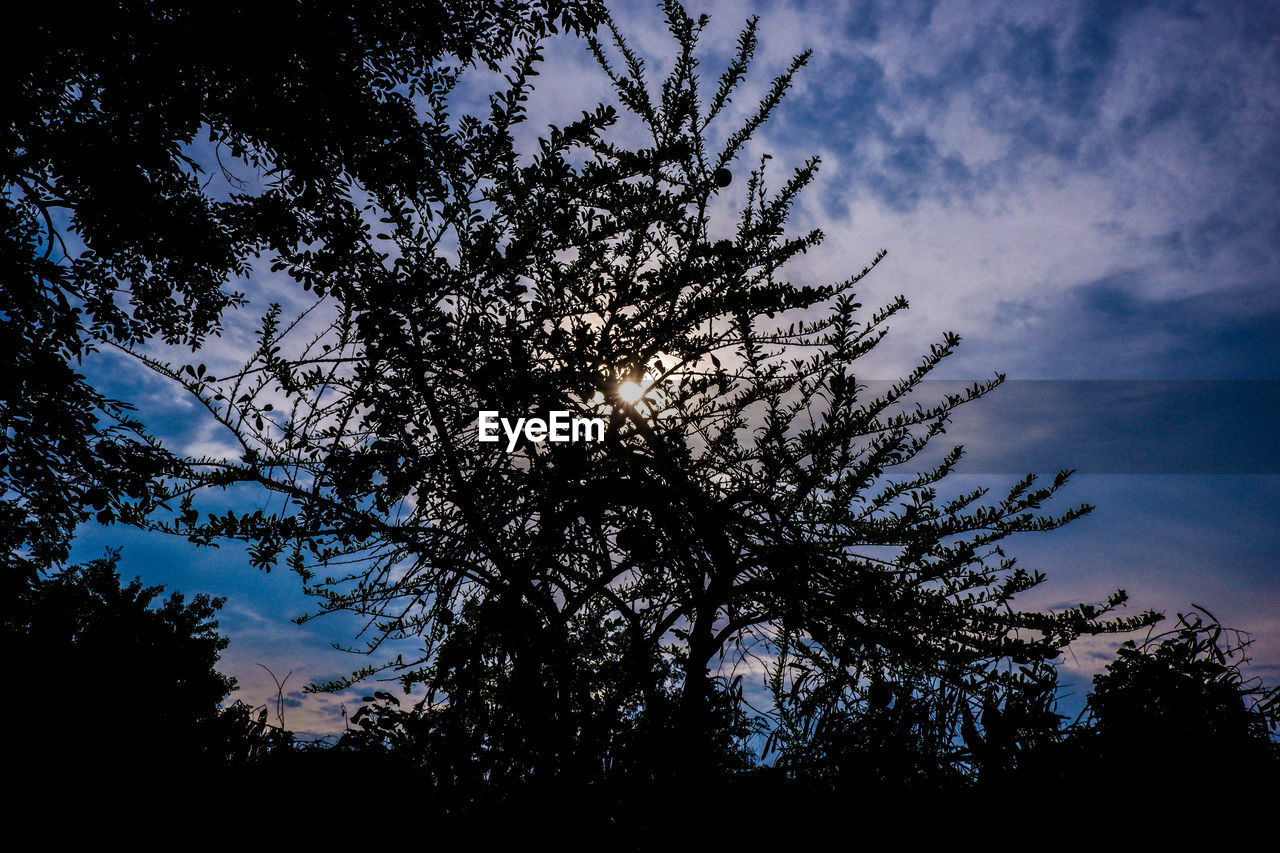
x=110 y=677
x=582 y=605
x=1180 y=705
x=117 y=228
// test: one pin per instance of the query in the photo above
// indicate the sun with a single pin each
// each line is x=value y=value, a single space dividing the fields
x=630 y=392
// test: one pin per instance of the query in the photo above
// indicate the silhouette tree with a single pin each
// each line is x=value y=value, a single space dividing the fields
x=116 y=225
x=112 y=678
x=583 y=605
x=1181 y=706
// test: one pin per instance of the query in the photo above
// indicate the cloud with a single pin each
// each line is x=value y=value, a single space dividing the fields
x=1010 y=155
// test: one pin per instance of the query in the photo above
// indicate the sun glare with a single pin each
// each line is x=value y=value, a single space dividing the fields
x=630 y=391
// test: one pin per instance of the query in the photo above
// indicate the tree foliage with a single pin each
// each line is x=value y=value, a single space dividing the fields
x=111 y=676
x=123 y=219
x=1181 y=702
x=583 y=606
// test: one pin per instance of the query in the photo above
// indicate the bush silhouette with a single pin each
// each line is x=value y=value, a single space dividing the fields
x=1180 y=701
x=112 y=678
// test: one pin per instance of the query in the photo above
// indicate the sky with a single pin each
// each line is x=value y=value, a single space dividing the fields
x=1086 y=192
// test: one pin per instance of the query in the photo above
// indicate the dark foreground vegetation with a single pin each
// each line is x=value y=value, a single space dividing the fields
x=123 y=708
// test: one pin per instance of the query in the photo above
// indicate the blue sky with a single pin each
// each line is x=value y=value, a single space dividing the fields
x=1084 y=191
